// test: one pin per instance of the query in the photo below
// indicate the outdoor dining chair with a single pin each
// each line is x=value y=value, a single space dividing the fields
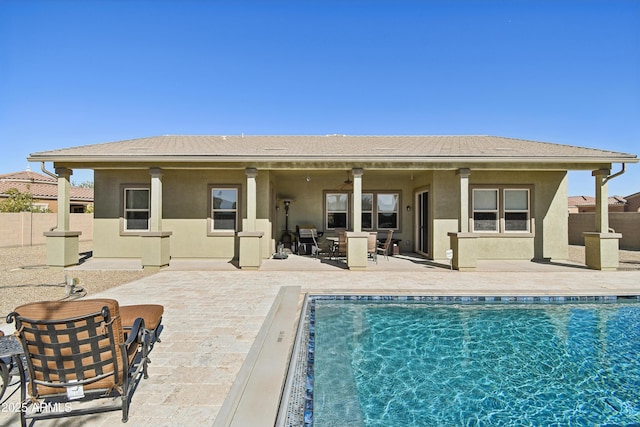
x=81 y=356
x=372 y=246
x=386 y=246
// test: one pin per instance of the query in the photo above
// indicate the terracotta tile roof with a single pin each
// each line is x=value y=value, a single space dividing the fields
x=26 y=176
x=339 y=147
x=591 y=201
x=40 y=186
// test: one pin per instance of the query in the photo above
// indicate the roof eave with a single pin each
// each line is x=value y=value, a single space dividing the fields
x=325 y=158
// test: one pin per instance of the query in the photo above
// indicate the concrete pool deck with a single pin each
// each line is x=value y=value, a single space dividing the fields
x=215 y=321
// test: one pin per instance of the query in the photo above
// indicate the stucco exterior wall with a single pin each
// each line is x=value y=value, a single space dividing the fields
x=445 y=201
x=626 y=223
x=27 y=229
x=185 y=209
x=307 y=206
x=549 y=210
x=186 y=205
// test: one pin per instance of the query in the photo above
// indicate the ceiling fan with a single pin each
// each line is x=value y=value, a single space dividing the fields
x=347 y=184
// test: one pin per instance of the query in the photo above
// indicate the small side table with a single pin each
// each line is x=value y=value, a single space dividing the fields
x=11 y=350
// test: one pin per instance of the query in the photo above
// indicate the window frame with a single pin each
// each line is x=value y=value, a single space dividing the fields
x=346 y=212
x=124 y=210
x=496 y=210
x=368 y=211
x=210 y=209
x=527 y=211
x=374 y=212
x=396 y=212
x=501 y=211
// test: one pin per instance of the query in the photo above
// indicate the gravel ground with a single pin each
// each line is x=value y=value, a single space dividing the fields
x=24 y=276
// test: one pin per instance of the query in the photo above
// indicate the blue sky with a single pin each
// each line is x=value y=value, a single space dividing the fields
x=84 y=72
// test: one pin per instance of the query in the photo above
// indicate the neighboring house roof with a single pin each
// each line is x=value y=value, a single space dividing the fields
x=633 y=196
x=40 y=186
x=424 y=149
x=591 y=201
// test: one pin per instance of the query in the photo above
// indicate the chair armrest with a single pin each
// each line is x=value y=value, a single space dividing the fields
x=135 y=334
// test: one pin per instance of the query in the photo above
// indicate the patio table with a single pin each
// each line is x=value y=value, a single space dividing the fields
x=10 y=349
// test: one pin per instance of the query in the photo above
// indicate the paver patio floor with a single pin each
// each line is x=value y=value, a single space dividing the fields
x=212 y=317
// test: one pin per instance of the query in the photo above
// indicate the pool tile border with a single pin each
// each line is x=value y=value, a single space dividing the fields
x=309 y=319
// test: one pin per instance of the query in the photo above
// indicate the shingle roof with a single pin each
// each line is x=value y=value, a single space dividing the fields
x=339 y=147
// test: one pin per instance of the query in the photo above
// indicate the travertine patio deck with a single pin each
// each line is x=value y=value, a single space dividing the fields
x=214 y=314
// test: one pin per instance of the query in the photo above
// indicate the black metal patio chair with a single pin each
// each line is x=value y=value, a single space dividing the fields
x=80 y=358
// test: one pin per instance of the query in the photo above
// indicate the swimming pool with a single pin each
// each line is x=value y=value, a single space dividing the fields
x=438 y=361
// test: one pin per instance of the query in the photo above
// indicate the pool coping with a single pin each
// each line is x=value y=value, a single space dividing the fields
x=256 y=392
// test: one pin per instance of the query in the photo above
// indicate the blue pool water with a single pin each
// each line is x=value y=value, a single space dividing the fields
x=428 y=364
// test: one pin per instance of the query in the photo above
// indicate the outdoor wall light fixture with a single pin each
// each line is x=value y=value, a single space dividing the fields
x=308 y=178
x=408 y=208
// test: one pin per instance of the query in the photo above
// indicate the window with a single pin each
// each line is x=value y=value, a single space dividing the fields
x=337 y=209
x=380 y=210
x=224 y=208
x=504 y=210
x=367 y=211
x=387 y=207
x=136 y=209
x=516 y=210
x=485 y=210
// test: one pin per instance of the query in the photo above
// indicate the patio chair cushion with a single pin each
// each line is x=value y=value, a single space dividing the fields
x=76 y=349
x=150 y=313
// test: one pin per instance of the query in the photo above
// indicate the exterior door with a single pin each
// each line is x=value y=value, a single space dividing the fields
x=422 y=222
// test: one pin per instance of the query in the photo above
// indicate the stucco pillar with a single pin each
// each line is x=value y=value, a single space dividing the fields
x=251 y=238
x=601 y=247
x=463 y=243
x=252 y=199
x=357 y=240
x=602 y=200
x=357 y=199
x=156 y=248
x=155 y=222
x=64 y=197
x=463 y=210
x=62 y=243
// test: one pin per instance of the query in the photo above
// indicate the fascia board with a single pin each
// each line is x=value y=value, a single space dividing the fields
x=280 y=158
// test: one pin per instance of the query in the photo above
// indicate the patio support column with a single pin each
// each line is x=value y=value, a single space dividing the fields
x=62 y=243
x=252 y=197
x=155 y=222
x=250 y=238
x=156 y=249
x=463 y=211
x=463 y=243
x=357 y=240
x=357 y=199
x=602 y=200
x=601 y=247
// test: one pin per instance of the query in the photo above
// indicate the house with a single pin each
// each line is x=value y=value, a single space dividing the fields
x=224 y=197
x=44 y=190
x=633 y=202
x=581 y=204
x=623 y=213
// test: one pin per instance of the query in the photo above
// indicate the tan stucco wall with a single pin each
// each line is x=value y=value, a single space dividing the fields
x=185 y=208
x=625 y=223
x=445 y=199
x=308 y=205
x=26 y=228
x=549 y=211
